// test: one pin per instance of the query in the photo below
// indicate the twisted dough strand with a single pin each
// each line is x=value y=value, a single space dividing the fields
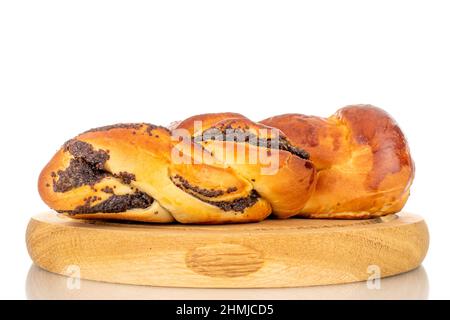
x=363 y=160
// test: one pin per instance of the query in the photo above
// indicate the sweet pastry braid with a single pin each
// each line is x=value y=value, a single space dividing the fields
x=224 y=168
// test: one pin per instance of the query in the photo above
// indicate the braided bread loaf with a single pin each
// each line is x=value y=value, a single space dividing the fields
x=229 y=169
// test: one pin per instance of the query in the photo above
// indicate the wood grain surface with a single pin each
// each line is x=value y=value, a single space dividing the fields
x=272 y=253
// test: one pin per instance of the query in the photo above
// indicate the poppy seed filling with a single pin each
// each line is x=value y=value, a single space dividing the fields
x=88 y=168
x=237 y=205
x=231 y=134
x=115 y=204
x=182 y=183
x=135 y=126
x=78 y=173
x=80 y=149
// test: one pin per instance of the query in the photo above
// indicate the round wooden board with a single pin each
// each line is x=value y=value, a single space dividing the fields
x=272 y=253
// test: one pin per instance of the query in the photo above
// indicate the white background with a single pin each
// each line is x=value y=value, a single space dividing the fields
x=67 y=66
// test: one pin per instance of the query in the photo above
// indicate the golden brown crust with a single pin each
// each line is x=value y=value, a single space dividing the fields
x=362 y=157
x=285 y=180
